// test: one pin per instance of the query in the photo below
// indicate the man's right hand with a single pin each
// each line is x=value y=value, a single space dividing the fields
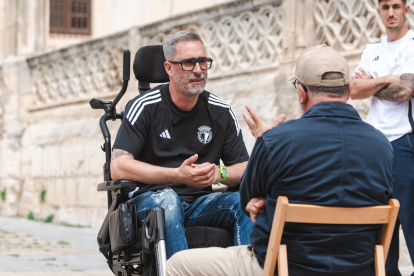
x=256 y=125
x=393 y=79
x=255 y=207
x=196 y=176
x=361 y=74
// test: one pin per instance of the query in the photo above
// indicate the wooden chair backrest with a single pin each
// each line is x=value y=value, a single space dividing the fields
x=305 y=213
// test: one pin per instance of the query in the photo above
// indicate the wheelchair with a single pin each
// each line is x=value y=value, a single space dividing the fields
x=146 y=254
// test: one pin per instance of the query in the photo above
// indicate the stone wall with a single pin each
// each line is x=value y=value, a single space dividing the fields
x=24 y=24
x=50 y=137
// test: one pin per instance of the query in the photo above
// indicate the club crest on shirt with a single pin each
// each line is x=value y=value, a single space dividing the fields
x=204 y=134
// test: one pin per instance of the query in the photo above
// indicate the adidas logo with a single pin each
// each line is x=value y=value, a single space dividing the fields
x=376 y=59
x=165 y=134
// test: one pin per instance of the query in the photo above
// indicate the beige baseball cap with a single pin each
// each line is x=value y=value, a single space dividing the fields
x=316 y=61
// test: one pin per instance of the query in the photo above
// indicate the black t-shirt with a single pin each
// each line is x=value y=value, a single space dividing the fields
x=159 y=133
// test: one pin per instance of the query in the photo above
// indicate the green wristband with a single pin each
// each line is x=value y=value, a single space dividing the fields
x=224 y=173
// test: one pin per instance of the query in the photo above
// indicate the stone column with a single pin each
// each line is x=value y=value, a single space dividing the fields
x=22 y=27
x=10 y=30
x=14 y=88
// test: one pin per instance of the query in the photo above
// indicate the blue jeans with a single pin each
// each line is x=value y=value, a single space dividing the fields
x=403 y=190
x=213 y=210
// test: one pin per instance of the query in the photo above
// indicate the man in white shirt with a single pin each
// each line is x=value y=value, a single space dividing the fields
x=386 y=72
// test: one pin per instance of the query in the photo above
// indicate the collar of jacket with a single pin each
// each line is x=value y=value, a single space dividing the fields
x=332 y=109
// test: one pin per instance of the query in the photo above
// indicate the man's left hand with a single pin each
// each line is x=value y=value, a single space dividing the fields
x=255 y=207
x=256 y=125
x=217 y=174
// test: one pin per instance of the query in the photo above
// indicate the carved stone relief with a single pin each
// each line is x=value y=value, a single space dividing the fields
x=350 y=24
x=86 y=69
x=235 y=42
x=238 y=42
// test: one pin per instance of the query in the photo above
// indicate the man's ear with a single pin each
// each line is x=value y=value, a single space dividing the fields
x=351 y=86
x=168 y=69
x=407 y=9
x=303 y=96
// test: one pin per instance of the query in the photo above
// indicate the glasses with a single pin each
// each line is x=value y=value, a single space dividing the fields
x=189 y=63
x=296 y=82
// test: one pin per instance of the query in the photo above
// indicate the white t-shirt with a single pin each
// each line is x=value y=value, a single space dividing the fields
x=390 y=58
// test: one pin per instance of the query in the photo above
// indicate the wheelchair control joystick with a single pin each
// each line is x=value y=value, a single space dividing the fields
x=110 y=114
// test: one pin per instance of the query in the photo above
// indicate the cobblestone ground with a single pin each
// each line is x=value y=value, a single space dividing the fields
x=30 y=248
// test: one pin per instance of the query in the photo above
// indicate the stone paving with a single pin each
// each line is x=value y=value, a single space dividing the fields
x=33 y=248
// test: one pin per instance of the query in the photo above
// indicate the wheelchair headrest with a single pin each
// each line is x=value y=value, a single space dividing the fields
x=149 y=65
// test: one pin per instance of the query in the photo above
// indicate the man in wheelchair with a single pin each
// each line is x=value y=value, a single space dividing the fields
x=171 y=141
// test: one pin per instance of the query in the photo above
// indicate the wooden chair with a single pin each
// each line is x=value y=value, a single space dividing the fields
x=304 y=213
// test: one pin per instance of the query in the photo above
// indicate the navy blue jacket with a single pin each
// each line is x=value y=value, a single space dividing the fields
x=328 y=157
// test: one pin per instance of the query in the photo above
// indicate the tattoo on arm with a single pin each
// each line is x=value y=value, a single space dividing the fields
x=398 y=92
x=118 y=152
x=378 y=85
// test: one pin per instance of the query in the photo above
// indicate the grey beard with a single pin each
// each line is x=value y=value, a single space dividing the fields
x=198 y=89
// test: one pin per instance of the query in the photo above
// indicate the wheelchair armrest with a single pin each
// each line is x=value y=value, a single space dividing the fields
x=222 y=188
x=225 y=189
x=118 y=184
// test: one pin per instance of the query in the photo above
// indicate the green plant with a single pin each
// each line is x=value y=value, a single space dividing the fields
x=63 y=243
x=71 y=225
x=30 y=216
x=49 y=218
x=42 y=195
x=3 y=194
x=48 y=259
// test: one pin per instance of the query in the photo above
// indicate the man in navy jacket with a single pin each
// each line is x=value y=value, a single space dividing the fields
x=328 y=157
